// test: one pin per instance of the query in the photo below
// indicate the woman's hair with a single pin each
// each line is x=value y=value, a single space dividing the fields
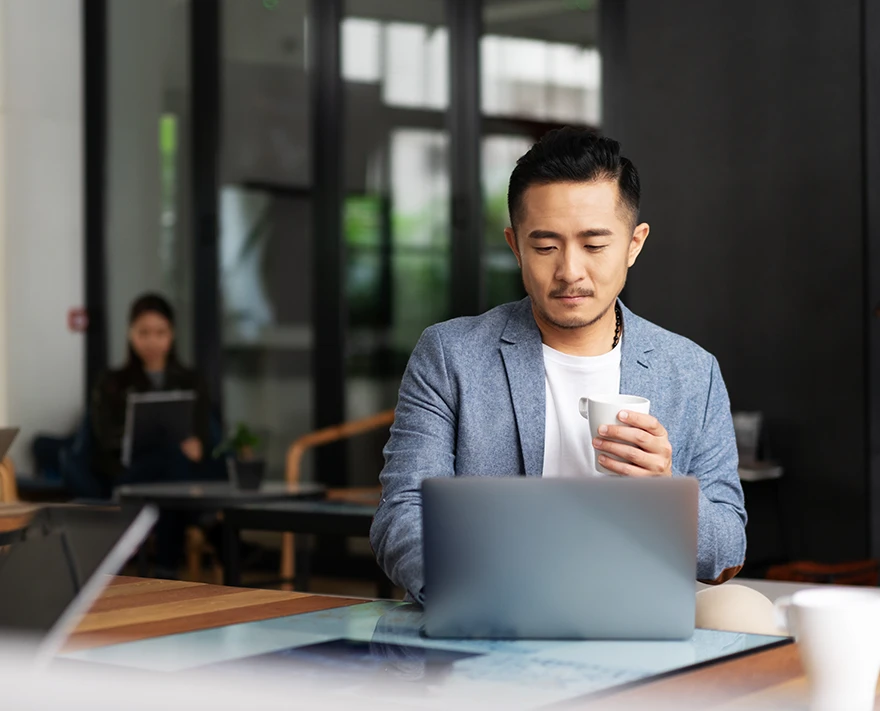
x=149 y=303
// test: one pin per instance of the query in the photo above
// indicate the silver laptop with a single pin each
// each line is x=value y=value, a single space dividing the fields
x=54 y=568
x=598 y=558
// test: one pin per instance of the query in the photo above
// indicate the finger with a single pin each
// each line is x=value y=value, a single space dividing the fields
x=649 y=423
x=631 y=454
x=624 y=468
x=632 y=435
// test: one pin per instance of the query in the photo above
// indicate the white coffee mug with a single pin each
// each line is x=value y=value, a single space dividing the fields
x=838 y=636
x=603 y=410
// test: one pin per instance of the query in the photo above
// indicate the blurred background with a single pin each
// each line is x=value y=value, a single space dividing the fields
x=312 y=183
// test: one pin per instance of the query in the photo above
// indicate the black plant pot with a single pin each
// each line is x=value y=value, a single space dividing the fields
x=249 y=473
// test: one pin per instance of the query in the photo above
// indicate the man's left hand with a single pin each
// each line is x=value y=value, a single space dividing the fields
x=643 y=444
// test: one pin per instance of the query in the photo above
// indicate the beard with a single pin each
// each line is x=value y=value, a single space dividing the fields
x=573 y=321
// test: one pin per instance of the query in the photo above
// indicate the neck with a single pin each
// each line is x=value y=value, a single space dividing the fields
x=593 y=340
x=154 y=366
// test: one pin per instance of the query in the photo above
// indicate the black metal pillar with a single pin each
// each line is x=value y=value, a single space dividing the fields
x=205 y=61
x=94 y=16
x=871 y=207
x=329 y=316
x=465 y=20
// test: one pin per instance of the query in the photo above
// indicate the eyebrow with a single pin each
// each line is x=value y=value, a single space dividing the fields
x=592 y=232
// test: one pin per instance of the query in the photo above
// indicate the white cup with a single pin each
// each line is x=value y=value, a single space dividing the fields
x=838 y=636
x=603 y=410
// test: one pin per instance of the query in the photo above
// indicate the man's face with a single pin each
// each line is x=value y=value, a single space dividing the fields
x=575 y=243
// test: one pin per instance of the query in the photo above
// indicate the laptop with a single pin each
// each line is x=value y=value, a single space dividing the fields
x=54 y=568
x=531 y=558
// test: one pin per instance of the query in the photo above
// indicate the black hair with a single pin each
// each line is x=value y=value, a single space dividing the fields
x=149 y=303
x=572 y=155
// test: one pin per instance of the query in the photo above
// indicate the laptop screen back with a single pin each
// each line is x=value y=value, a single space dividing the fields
x=562 y=558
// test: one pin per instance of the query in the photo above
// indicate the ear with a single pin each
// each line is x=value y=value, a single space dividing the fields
x=510 y=237
x=640 y=234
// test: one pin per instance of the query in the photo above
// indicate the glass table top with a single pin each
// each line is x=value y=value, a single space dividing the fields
x=376 y=648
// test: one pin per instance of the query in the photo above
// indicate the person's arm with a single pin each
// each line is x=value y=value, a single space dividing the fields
x=721 y=545
x=421 y=446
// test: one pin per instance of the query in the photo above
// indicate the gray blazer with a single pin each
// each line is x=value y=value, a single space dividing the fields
x=472 y=403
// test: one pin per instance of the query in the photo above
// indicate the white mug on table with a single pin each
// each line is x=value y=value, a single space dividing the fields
x=603 y=410
x=838 y=635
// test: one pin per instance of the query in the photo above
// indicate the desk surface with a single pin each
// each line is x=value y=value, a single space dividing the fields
x=133 y=610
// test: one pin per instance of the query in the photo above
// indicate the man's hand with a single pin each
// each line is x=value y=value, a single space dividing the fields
x=192 y=449
x=643 y=444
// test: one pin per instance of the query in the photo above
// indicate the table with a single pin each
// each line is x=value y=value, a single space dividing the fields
x=334 y=517
x=134 y=610
x=212 y=495
x=207 y=496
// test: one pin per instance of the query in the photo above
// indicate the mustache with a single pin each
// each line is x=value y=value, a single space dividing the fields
x=563 y=293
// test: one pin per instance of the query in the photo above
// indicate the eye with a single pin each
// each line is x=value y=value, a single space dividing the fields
x=595 y=247
x=544 y=250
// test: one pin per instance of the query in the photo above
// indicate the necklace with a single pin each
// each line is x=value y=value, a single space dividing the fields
x=617 y=324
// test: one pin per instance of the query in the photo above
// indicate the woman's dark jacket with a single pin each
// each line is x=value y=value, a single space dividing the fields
x=109 y=404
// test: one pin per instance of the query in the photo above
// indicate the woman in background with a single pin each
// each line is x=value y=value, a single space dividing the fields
x=152 y=365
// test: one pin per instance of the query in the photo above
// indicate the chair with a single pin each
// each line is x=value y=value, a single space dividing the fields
x=14 y=516
x=8 y=487
x=293 y=467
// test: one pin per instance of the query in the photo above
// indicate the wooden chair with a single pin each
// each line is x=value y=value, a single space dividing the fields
x=8 y=488
x=316 y=439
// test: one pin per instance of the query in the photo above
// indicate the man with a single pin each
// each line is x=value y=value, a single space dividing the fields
x=497 y=394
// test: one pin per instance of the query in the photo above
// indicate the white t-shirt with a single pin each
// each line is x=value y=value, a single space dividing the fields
x=568 y=447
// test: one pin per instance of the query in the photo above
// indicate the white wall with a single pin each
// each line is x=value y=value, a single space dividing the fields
x=41 y=237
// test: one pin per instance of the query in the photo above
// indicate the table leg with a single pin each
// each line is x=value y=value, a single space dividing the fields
x=303 y=563
x=231 y=554
x=143 y=565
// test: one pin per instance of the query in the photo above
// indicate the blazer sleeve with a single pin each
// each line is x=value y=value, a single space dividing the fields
x=721 y=546
x=421 y=446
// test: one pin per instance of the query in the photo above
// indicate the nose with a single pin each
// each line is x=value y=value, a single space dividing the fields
x=571 y=268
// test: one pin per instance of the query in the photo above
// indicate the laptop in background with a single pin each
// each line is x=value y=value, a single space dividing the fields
x=59 y=565
x=532 y=558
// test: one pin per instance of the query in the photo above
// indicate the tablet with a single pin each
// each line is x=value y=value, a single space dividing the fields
x=156 y=419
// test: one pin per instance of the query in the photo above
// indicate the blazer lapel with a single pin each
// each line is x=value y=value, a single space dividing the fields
x=636 y=377
x=523 y=359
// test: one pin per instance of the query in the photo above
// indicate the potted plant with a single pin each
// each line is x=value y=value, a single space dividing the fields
x=246 y=466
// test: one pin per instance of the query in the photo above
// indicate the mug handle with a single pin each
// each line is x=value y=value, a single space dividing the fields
x=782 y=608
x=583 y=404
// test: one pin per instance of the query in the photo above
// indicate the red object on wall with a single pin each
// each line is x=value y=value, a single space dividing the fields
x=77 y=320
